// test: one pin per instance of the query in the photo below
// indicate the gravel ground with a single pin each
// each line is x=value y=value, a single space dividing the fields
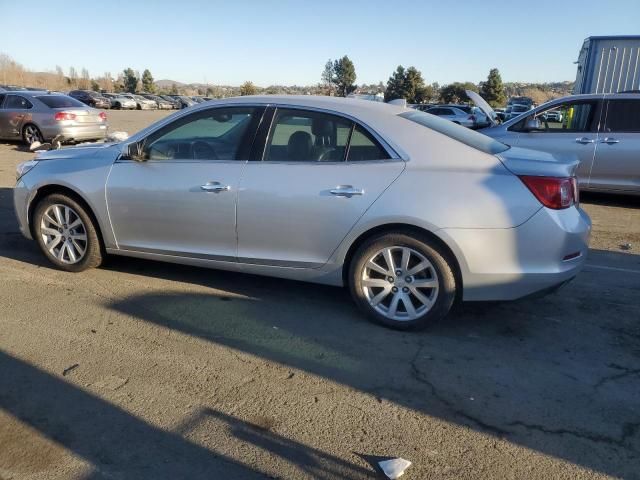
x=148 y=370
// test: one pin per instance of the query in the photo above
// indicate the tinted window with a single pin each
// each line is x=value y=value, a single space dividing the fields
x=211 y=135
x=304 y=136
x=623 y=116
x=16 y=102
x=364 y=147
x=468 y=137
x=60 y=101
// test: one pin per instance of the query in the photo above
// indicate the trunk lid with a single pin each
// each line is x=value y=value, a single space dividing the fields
x=482 y=105
x=524 y=161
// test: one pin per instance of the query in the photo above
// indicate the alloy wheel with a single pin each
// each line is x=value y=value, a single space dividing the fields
x=400 y=283
x=64 y=234
x=32 y=134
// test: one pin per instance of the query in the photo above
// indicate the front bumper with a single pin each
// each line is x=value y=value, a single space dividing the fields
x=506 y=264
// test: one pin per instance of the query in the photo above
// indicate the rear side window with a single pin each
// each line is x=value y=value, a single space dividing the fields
x=364 y=147
x=16 y=102
x=623 y=116
x=60 y=101
x=461 y=134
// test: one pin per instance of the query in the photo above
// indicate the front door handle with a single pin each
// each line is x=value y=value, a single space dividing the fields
x=346 y=191
x=610 y=141
x=585 y=140
x=215 y=187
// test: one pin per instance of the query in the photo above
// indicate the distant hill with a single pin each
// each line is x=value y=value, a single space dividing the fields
x=164 y=83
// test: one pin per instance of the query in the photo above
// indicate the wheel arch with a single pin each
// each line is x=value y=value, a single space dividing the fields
x=50 y=189
x=410 y=229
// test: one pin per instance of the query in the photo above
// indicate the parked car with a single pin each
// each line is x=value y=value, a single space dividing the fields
x=33 y=116
x=120 y=102
x=161 y=103
x=516 y=110
x=408 y=210
x=141 y=102
x=174 y=103
x=11 y=88
x=183 y=101
x=470 y=117
x=91 y=98
x=500 y=113
x=601 y=131
x=197 y=99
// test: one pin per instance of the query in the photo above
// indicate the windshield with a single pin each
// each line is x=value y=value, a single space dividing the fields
x=60 y=101
x=468 y=137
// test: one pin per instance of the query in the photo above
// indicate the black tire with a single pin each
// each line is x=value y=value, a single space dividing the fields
x=93 y=251
x=442 y=268
x=28 y=137
x=117 y=106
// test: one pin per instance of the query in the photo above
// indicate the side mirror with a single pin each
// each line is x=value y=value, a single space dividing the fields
x=532 y=124
x=134 y=152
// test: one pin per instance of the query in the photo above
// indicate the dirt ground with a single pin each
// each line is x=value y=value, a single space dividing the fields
x=145 y=370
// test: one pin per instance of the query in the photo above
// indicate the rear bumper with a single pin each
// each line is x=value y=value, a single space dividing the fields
x=506 y=264
x=77 y=132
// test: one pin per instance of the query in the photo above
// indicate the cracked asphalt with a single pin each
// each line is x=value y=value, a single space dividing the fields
x=148 y=370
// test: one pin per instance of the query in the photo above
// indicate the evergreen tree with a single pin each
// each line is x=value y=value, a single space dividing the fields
x=492 y=90
x=147 y=82
x=344 y=76
x=130 y=81
x=327 y=77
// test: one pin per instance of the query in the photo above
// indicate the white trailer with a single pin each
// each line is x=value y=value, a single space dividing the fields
x=608 y=65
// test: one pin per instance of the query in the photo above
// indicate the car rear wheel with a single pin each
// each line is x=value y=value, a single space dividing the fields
x=66 y=233
x=31 y=134
x=402 y=281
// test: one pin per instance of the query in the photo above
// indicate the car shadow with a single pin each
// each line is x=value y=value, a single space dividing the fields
x=558 y=375
x=620 y=201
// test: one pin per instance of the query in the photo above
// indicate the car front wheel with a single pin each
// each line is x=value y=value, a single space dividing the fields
x=402 y=281
x=66 y=233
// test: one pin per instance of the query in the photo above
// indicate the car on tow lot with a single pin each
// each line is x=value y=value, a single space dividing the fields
x=174 y=103
x=120 y=102
x=33 y=116
x=161 y=103
x=141 y=102
x=408 y=210
x=470 y=117
x=183 y=101
x=91 y=98
x=601 y=130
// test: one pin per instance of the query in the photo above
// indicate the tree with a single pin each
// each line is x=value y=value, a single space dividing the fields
x=95 y=86
x=73 y=77
x=130 y=81
x=84 y=80
x=147 y=82
x=407 y=84
x=455 y=92
x=248 y=88
x=344 y=76
x=492 y=90
x=174 y=89
x=327 y=77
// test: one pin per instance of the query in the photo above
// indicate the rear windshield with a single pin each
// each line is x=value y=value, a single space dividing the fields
x=462 y=134
x=60 y=101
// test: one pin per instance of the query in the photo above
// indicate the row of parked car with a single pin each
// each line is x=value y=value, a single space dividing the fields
x=139 y=101
x=465 y=115
x=122 y=100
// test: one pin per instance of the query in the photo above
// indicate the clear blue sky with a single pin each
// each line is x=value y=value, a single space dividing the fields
x=289 y=41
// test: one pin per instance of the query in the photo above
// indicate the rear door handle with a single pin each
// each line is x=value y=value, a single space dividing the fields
x=585 y=140
x=610 y=140
x=346 y=191
x=215 y=187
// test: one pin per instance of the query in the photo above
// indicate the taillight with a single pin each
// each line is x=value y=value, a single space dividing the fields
x=553 y=192
x=103 y=116
x=59 y=116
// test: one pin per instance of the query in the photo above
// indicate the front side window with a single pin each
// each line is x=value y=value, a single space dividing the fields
x=216 y=134
x=305 y=136
x=17 y=103
x=623 y=116
x=570 y=117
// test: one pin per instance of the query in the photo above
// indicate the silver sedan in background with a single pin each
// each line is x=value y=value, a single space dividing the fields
x=33 y=116
x=119 y=102
x=410 y=211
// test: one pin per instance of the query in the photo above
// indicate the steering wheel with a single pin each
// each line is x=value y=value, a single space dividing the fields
x=201 y=150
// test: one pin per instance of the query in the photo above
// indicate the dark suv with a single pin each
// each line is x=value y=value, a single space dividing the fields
x=91 y=98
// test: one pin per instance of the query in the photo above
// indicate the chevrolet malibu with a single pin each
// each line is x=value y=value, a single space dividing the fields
x=409 y=211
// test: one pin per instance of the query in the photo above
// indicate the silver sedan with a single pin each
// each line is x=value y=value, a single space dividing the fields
x=33 y=116
x=411 y=212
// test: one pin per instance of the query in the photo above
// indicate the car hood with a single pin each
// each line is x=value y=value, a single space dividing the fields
x=82 y=150
x=482 y=105
x=525 y=161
